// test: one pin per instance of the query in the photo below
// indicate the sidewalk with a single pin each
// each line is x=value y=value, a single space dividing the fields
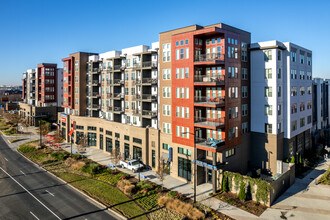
x=173 y=184
x=31 y=136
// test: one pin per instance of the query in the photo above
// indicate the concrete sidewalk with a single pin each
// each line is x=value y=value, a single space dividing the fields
x=172 y=183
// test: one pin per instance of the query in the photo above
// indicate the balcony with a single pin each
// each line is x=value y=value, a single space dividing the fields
x=149 y=114
x=109 y=108
x=95 y=94
x=93 y=82
x=149 y=98
x=136 y=65
x=209 y=143
x=147 y=64
x=117 y=67
x=118 y=96
x=96 y=70
x=137 y=97
x=207 y=80
x=93 y=106
x=147 y=81
x=209 y=122
x=212 y=58
x=118 y=82
x=118 y=110
x=209 y=101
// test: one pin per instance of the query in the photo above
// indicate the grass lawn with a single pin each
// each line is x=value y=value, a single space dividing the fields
x=14 y=140
x=105 y=193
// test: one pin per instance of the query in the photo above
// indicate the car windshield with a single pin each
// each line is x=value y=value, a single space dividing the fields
x=135 y=163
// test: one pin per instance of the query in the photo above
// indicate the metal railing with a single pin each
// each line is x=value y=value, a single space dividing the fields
x=95 y=70
x=148 y=97
x=209 y=142
x=93 y=106
x=116 y=67
x=209 y=57
x=149 y=81
x=212 y=122
x=136 y=65
x=209 y=79
x=118 y=109
x=149 y=64
x=118 y=95
x=209 y=100
x=118 y=81
x=149 y=113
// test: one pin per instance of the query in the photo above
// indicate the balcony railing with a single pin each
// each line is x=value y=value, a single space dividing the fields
x=93 y=106
x=95 y=70
x=149 y=64
x=118 y=109
x=209 y=57
x=96 y=82
x=136 y=65
x=211 y=122
x=116 y=67
x=118 y=95
x=209 y=79
x=148 y=97
x=203 y=100
x=209 y=142
x=149 y=113
x=109 y=108
x=149 y=81
x=118 y=81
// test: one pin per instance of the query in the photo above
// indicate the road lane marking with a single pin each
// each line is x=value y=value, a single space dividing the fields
x=22 y=172
x=6 y=159
x=30 y=193
x=50 y=193
x=34 y=215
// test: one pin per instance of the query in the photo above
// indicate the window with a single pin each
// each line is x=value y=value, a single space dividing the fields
x=279 y=91
x=177 y=112
x=302 y=59
x=309 y=60
x=302 y=90
x=293 y=108
x=166 y=74
x=213 y=41
x=293 y=125
x=309 y=119
x=137 y=140
x=268 y=128
x=177 y=131
x=268 y=110
x=268 y=92
x=267 y=55
x=293 y=74
x=230 y=152
x=108 y=144
x=167 y=110
x=309 y=105
x=279 y=109
x=244 y=128
x=177 y=73
x=126 y=138
x=187 y=72
x=293 y=56
x=207 y=41
x=79 y=127
x=302 y=75
x=244 y=110
x=244 y=73
x=166 y=92
x=302 y=106
x=108 y=132
x=244 y=91
x=279 y=128
x=117 y=135
x=91 y=128
x=279 y=54
x=187 y=112
x=177 y=43
x=177 y=54
x=91 y=139
x=187 y=52
x=309 y=90
x=187 y=93
x=302 y=122
x=186 y=41
x=293 y=91
x=184 y=151
x=184 y=168
x=279 y=73
x=309 y=76
x=181 y=42
x=167 y=128
x=137 y=152
x=182 y=73
x=166 y=146
x=181 y=53
x=182 y=93
x=244 y=51
x=182 y=112
x=268 y=73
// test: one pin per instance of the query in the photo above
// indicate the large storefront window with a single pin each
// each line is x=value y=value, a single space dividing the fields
x=101 y=141
x=137 y=152
x=108 y=145
x=126 y=151
x=184 y=168
x=91 y=139
x=79 y=135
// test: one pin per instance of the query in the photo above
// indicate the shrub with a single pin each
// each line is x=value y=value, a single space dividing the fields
x=69 y=161
x=78 y=165
x=129 y=189
x=77 y=156
x=91 y=168
x=224 y=184
x=26 y=148
x=242 y=194
x=126 y=186
x=181 y=207
x=48 y=161
x=172 y=194
x=60 y=155
x=143 y=185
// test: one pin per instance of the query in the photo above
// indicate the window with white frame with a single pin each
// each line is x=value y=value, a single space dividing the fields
x=268 y=73
x=268 y=110
x=167 y=52
x=166 y=74
x=244 y=110
x=268 y=91
x=244 y=91
x=244 y=73
x=167 y=110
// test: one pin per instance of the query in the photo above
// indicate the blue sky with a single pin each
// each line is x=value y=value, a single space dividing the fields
x=35 y=31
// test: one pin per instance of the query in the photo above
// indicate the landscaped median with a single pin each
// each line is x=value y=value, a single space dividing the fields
x=115 y=189
x=325 y=178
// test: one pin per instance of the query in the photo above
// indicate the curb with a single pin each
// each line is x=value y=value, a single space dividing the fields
x=97 y=203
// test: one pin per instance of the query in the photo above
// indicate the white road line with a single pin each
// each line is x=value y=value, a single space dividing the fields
x=22 y=172
x=30 y=193
x=6 y=159
x=50 y=193
x=34 y=215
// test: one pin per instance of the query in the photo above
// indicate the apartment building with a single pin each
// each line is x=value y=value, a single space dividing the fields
x=42 y=93
x=195 y=97
x=281 y=103
x=321 y=105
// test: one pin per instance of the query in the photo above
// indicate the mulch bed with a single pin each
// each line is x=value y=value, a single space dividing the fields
x=249 y=205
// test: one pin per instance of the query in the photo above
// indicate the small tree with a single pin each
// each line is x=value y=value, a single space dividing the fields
x=14 y=119
x=292 y=160
x=44 y=129
x=25 y=123
x=82 y=144
x=115 y=153
x=224 y=183
x=161 y=171
x=242 y=194
x=58 y=136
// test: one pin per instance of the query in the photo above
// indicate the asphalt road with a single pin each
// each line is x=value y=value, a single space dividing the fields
x=28 y=192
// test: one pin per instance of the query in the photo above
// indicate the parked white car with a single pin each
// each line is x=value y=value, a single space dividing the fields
x=133 y=165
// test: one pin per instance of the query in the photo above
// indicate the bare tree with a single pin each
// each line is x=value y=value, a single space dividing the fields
x=25 y=123
x=58 y=136
x=82 y=144
x=161 y=171
x=14 y=118
x=44 y=129
x=115 y=156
